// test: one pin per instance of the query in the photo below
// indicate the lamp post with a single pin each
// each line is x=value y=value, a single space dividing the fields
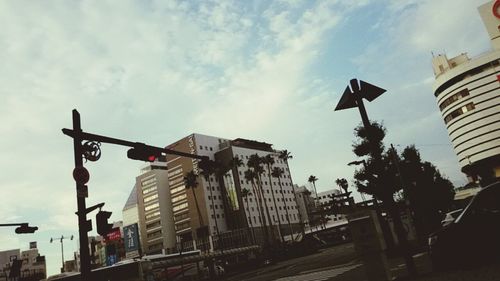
x=62 y=248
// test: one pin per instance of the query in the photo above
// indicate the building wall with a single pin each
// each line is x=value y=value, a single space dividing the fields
x=156 y=224
x=324 y=198
x=467 y=92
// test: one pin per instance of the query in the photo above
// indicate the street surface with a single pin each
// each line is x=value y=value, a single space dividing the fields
x=325 y=264
x=339 y=263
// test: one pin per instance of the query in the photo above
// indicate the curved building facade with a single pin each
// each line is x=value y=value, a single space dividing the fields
x=467 y=92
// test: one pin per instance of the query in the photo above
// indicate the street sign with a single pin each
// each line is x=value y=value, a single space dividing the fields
x=81 y=175
x=352 y=98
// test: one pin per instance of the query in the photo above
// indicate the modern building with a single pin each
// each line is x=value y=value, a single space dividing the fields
x=217 y=203
x=154 y=209
x=33 y=264
x=325 y=197
x=467 y=92
x=305 y=204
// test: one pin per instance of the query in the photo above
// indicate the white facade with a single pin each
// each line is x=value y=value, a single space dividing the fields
x=324 y=198
x=156 y=225
x=468 y=94
x=285 y=202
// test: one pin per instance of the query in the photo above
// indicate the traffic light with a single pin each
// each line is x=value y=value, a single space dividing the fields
x=143 y=152
x=24 y=228
x=103 y=227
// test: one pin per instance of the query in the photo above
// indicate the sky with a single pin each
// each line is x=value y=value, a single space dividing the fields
x=157 y=71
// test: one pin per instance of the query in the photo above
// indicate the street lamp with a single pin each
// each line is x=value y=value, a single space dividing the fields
x=62 y=248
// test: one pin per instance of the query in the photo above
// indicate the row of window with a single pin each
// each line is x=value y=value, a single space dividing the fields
x=179 y=217
x=457 y=96
x=150 y=198
x=180 y=207
x=206 y=148
x=218 y=216
x=151 y=207
x=154 y=233
x=149 y=190
x=177 y=189
x=148 y=181
x=182 y=226
x=457 y=112
x=279 y=207
x=153 y=224
x=274 y=218
x=152 y=215
x=179 y=198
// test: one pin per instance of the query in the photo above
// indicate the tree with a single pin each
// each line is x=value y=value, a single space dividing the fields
x=250 y=176
x=255 y=163
x=191 y=183
x=342 y=183
x=429 y=193
x=244 y=194
x=268 y=160
x=377 y=178
x=313 y=179
x=208 y=168
x=278 y=173
x=285 y=155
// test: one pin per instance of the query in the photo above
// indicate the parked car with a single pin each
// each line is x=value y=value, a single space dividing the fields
x=451 y=217
x=474 y=237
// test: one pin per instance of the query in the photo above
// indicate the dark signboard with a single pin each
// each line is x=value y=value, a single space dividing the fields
x=131 y=239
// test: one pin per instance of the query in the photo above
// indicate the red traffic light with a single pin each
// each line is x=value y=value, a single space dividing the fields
x=144 y=153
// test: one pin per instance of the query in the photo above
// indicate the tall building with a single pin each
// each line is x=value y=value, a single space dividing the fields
x=154 y=205
x=217 y=203
x=325 y=197
x=467 y=91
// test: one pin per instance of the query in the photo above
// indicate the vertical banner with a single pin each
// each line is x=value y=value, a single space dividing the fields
x=131 y=239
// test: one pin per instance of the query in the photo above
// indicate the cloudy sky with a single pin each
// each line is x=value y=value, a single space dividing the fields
x=157 y=71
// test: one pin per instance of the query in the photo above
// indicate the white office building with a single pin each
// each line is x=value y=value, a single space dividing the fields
x=467 y=92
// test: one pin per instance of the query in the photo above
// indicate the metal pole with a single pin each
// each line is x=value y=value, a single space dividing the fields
x=82 y=215
x=62 y=254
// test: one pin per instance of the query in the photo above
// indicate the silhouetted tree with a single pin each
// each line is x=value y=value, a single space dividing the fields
x=377 y=178
x=429 y=193
x=191 y=183
x=208 y=168
x=313 y=179
x=244 y=194
x=255 y=163
x=268 y=160
x=251 y=176
x=342 y=183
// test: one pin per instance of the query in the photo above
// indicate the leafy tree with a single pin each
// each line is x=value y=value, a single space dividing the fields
x=377 y=178
x=278 y=173
x=191 y=183
x=429 y=193
x=244 y=194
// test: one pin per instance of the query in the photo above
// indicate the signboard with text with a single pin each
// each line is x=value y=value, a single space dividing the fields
x=131 y=240
x=114 y=234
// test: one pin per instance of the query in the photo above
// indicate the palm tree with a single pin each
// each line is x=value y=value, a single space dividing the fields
x=313 y=179
x=342 y=183
x=285 y=155
x=250 y=176
x=208 y=168
x=278 y=173
x=191 y=183
x=244 y=194
x=268 y=160
x=255 y=162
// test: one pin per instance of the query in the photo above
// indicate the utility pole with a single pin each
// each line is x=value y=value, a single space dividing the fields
x=83 y=224
x=62 y=248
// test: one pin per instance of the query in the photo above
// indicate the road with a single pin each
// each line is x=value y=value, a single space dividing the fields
x=325 y=264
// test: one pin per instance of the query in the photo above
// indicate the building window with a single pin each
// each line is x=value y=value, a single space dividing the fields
x=455 y=113
x=201 y=147
x=462 y=94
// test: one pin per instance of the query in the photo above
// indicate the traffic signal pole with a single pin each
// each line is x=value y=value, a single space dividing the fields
x=82 y=215
x=90 y=151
